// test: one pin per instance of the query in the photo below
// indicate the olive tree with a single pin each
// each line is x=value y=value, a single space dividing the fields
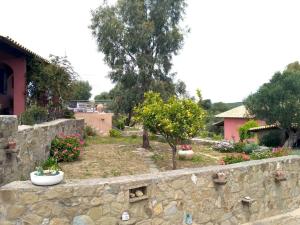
x=176 y=119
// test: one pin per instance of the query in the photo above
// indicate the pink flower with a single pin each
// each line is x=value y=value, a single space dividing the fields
x=81 y=142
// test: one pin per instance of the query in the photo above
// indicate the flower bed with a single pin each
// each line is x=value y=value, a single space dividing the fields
x=66 y=148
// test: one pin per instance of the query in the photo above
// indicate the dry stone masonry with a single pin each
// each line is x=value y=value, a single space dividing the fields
x=249 y=192
x=23 y=147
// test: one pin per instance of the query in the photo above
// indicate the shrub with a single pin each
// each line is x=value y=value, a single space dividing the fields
x=244 y=130
x=271 y=139
x=68 y=114
x=89 y=131
x=34 y=115
x=236 y=158
x=115 y=133
x=238 y=146
x=250 y=147
x=66 y=148
x=276 y=152
x=224 y=146
x=261 y=155
x=119 y=122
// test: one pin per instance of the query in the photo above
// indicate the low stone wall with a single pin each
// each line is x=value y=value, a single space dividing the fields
x=32 y=145
x=167 y=198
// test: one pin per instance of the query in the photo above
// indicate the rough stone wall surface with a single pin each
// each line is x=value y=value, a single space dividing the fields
x=32 y=145
x=101 y=122
x=169 y=197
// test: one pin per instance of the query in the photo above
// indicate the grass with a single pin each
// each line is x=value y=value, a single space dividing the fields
x=113 y=140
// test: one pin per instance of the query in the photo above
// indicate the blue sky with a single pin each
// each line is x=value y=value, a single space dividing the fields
x=234 y=45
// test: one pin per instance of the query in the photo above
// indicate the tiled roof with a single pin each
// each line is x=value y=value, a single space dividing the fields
x=266 y=127
x=237 y=112
x=9 y=41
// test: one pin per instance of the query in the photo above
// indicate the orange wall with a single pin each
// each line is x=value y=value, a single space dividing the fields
x=101 y=122
x=232 y=125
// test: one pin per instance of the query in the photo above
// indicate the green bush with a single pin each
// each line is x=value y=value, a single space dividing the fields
x=34 y=115
x=238 y=146
x=250 y=147
x=66 y=148
x=244 y=130
x=275 y=152
x=271 y=139
x=235 y=158
x=261 y=155
x=89 y=131
x=115 y=133
x=119 y=122
x=68 y=114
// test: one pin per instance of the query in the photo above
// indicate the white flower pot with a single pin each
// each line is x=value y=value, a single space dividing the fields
x=185 y=154
x=46 y=180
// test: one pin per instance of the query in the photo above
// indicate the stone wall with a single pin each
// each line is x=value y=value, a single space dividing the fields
x=166 y=198
x=32 y=145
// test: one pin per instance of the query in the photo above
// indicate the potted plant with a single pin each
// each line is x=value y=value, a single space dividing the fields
x=48 y=173
x=185 y=152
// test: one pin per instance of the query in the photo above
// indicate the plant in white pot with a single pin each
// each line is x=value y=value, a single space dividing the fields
x=47 y=174
x=185 y=152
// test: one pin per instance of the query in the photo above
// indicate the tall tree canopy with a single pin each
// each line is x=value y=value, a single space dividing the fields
x=139 y=39
x=81 y=90
x=278 y=102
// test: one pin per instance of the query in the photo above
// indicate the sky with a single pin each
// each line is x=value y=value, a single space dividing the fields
x=234 y=46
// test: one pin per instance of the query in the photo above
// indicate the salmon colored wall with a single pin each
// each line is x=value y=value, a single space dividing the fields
x=101 y=122
x=231 y=126
x=18 y=65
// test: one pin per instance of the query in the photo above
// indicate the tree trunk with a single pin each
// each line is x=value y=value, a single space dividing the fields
x=146 y=143
x=292 y=138
x=174 y=150
x=128 y=119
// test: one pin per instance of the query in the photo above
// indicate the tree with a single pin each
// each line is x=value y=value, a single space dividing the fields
x=49 y=84
x=244 y=130
x=277 y=102
x=103 y=96
x=81 y=90
x=176 y=120
x=138 y=39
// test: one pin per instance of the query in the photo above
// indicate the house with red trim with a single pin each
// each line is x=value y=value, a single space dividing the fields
x=13 y=65
x=233 y=119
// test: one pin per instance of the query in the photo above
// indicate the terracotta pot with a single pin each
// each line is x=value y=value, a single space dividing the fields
x=185 y=154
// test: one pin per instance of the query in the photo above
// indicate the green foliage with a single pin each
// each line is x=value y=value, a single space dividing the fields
x=275 y=152
x=66 y=148
x=119 y=122
x=244 y=130
x=277 y=102
x=157 y=157
x=139 y=40
x=50 y=164
x=250 y=147
x=272 y=139
x=235 y=158
x=115 y=133
x=239 y=146
x=103 y=96
x=48 y=84
x=81 y=90
x=68 y=114
x=176 y=120
x=89 y=131
x=34 y=115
